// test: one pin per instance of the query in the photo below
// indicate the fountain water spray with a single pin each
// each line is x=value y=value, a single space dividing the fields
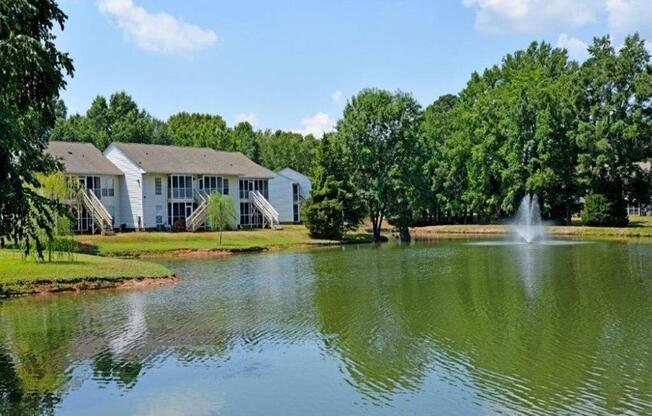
x=527 y=225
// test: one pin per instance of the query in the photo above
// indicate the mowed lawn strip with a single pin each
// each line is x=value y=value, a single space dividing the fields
x=639 y=227
x=139 y=243
x=19 y=274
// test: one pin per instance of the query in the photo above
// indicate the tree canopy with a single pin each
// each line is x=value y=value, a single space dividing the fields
x=32 y=72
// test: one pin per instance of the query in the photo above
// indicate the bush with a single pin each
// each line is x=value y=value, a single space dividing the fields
x=179 y=225
x=599 y=211
x=324 y=219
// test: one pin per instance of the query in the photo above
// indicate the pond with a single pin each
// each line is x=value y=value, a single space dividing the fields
x=430 y=328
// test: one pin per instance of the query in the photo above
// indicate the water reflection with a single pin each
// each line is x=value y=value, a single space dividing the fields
x=468 y=329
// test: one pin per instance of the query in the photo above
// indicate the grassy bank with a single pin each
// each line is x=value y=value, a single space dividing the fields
x=156 y=243
x=28 y=276
x=640 y=227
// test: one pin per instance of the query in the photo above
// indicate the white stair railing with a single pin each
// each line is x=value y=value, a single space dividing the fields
x=97 y=210
x=198 y=216
x=270 y=215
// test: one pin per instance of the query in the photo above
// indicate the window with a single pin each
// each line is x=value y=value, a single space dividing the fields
x=295 y=202
x=159 y=214
x=225 y=185
x=108 y=187
x=180 y=187
x=179 y=211
x=157 y=186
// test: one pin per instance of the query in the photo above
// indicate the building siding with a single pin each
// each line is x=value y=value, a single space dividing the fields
x=151 y=201
x=131 y=195
x=305 y=185
x=280 y=196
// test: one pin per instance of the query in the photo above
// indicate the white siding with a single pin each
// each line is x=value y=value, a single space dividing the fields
x=234 y=192
x=305 y=185
x=112 y=203
x=280 y=196
x=131 y=195
x=151 y=201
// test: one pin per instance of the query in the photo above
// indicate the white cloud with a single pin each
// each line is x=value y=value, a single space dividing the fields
x=336 y=96
x=250 y=118
x=317 y=124
x=533 y=16
x=577 y=49
x=157 y=32
x=629 y=16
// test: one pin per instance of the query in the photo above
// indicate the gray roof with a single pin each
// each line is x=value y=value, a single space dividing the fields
x=155 y=158
x=82 y=159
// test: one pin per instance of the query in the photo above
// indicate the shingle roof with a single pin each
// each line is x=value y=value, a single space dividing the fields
x=82 y=159
x=156 y=158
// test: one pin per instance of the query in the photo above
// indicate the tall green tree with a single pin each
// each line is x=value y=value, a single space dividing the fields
x=32 y=72
x=199 y=130
x=117 y=120
x=615 y=126
x=246 y=140
x=380 y=134
x=333 y=206
x=282 y=149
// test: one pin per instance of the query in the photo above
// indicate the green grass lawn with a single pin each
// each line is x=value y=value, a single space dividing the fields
x=639 y=227
x=19 y=274
x=153 y=243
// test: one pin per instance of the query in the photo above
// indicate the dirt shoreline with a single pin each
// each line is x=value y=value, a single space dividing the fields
x=46 y=287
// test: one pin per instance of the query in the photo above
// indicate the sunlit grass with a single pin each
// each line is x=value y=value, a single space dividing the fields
x=18 y=273
x=136 y=243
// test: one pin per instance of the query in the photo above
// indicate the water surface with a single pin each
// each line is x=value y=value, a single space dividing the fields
x=438 y=328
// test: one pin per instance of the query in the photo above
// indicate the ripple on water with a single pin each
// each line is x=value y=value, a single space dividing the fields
x=363 y=331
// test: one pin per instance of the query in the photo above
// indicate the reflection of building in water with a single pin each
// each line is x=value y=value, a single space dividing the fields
x=134 y=329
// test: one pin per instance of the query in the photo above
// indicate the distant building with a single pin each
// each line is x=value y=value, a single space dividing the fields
x=288 y=190
x=145 y=186
x=640 y=209
x=100 y=181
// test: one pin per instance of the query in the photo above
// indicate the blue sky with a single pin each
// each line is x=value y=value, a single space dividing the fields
x=293 y=64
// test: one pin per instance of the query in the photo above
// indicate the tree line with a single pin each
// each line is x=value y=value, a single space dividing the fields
x=576 y=135
x=119 y=119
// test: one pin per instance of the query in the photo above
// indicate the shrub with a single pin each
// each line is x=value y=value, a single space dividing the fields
x=324 y=219
x=596 y=211
x=179 y=225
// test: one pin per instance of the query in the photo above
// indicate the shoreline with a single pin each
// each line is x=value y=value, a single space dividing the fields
x=222 y=252
x=47 y=287
x=438 y=231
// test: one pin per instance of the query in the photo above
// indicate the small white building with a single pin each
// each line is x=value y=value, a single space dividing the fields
x=168 y=185
x=100 y=179
x=288 y=190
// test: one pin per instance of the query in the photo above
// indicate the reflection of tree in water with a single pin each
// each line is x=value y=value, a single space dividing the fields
x=34 y=362
x=570 y=333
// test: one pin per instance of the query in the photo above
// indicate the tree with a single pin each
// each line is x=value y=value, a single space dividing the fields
x=118 y=119
x=615 y=126
x=220 y=213
x=199 y=130
x=379 y=132
x=32 y=72
x=56 y=187
x=437 y=127
x=333 y=206
x=246 y=140
x=281 y=149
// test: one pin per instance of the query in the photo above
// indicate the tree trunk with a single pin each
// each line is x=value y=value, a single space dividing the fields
x=404 y=234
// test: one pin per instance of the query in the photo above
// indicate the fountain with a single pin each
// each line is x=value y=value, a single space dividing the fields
x=527 y=225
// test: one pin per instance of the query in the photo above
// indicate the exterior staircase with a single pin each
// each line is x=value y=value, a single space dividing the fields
x=198 y=216
x=262 y=205
x=101 y=217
